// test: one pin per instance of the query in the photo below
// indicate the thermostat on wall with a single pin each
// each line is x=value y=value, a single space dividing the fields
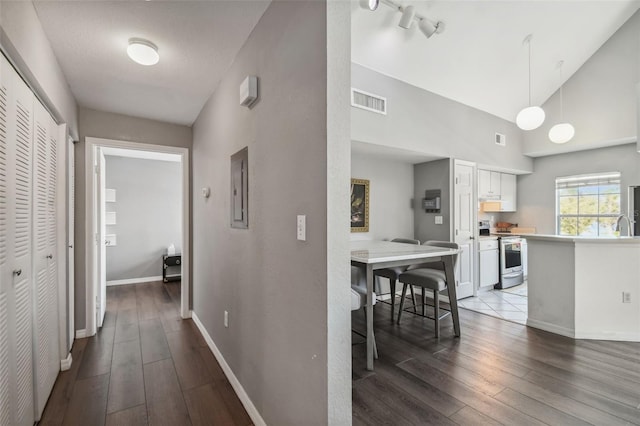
x=249 y=91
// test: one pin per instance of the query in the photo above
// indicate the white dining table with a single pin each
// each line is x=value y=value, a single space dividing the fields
x=372 y=255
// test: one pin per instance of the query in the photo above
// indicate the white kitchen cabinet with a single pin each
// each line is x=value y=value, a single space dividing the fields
x=489 y=263
x=489 y=183
x=507 y=192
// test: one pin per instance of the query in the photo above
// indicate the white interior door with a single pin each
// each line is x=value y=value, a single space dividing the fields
x=101 y=239
x=16 y=297
x=45 y=261
x=464 y=215
x=71 y=175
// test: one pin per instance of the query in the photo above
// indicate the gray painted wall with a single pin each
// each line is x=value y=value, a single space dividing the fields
x=600 y=99
x=536 y=192
x=107 y=125
x=390 y=193
x=424 y=122
x=23 y=38
x=148 y=215
x=432 y=175
x=274 y=287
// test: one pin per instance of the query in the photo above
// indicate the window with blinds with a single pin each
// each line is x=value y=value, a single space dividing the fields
x=587 y=205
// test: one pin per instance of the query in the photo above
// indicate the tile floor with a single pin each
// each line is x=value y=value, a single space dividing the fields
x=510 y=304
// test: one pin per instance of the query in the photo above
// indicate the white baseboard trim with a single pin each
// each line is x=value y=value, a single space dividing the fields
x=134 y=281
x=65 y=364
x=601 y=335
x=551 y=328
x=81 y=334
x=237 y=387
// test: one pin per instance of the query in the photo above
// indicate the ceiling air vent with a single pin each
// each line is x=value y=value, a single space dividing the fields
x=501 y=139
x=368 y=101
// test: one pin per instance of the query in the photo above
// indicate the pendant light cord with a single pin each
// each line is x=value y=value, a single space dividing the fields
x=529 y=43
x=561 y=96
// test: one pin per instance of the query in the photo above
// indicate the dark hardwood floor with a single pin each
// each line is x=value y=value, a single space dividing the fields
x=498 y=372
x=145 y=366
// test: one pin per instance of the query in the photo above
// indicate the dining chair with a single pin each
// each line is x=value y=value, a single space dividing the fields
x=429 y=278
x=359 y=301
x=392 y=275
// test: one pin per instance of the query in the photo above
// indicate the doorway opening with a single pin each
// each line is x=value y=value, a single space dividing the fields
x=137 y=226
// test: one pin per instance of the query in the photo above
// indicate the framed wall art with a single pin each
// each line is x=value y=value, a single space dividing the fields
x=359 y=205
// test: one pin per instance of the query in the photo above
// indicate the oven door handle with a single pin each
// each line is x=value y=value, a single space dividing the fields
x=515 y=274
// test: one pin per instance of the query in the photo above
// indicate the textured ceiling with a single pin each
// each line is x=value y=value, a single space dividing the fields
x=197 y=41
x=479 y=60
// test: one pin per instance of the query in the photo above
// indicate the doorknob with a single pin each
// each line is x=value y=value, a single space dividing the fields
x=70 y=245
x=49 y=256
x=17 y=272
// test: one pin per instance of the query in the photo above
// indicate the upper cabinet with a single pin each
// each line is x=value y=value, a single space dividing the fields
x=497 y=190
x=489 y=184
x=508 y=192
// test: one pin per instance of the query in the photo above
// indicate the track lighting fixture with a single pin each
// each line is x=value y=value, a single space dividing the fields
x=409 y=15
x=406 y=20
x=428 y=28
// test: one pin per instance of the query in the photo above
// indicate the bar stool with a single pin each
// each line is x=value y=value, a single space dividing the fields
x=431 y=278
x=359 y=301
x=392 y=275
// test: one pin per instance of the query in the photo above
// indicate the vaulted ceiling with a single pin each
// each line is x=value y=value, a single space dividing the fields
x=478 y=60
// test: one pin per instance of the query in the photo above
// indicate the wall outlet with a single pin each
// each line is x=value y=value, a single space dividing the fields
x=226 y=319
x=626 y=297
x=438 y=220
x=301 y=227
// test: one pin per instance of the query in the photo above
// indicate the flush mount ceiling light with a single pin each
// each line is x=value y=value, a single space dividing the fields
x=531 y=117
x=562 y=132
x=409 y=15
x=143 y=51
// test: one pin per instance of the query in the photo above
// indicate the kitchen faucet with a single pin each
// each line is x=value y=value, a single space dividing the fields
x=622 y=216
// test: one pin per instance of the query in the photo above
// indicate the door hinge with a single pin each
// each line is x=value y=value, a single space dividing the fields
x=97 y=238
x=96 y=169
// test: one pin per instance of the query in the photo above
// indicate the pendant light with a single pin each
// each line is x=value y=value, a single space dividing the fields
x=531 y=117
x=562 y=132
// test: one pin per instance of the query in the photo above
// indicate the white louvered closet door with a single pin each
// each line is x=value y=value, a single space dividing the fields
x=45 y=271
x=16 y=252
x=7 y=353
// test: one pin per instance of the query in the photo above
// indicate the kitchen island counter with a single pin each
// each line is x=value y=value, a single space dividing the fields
x=577 y=286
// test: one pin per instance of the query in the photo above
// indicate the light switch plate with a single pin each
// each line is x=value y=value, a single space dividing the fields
x=438 y=220
x=302 y=227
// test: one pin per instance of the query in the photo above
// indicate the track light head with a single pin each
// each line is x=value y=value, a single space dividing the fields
x=428 y=28
x=406 y=20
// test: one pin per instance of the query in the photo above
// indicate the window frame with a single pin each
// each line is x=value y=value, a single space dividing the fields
x=599 y=179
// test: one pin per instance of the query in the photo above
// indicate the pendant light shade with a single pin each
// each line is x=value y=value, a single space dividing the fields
x=561 y=133
x=143 y=51
x=532 y=117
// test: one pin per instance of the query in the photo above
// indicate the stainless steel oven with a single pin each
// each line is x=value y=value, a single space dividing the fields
x=511 y=271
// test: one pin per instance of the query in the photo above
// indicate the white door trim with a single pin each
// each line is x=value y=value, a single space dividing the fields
x=91 y=289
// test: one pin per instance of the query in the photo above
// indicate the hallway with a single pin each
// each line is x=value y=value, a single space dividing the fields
x=145 y=366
